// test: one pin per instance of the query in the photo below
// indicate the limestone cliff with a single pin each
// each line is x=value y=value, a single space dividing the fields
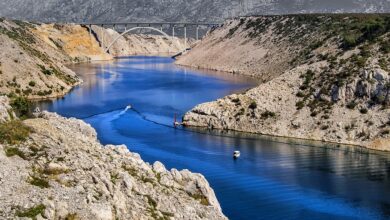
x=74 y=40
x=325 y=77
x=31 y=67
x=33 y=57
x=54 y=168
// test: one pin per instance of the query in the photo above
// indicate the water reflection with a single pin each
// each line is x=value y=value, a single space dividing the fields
x=275 y=178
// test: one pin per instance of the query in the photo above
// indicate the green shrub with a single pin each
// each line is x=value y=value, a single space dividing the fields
x=268 y=114
x=13 y=132
x=21 y=106
x=325 y=127
x=32 y=83
x=47 y=72
x=203 y=200
x=351 y=105
x=385 y=132
x=308 y=77
x=40 y=182
x=364 y=111
x=72 y=216
x=350 y=40
x=32 y=212
x=14 y=151
x=253 y=105
x=300 y=105
x=44 y=70
x=385 y=46
x=236 y=100
x=300 y=94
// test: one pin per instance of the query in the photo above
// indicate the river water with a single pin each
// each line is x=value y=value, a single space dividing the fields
x=273 y=179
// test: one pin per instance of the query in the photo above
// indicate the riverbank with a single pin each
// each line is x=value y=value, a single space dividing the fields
x=283 y=178
x=69 y=174
x=34 y=57
x=319 y=82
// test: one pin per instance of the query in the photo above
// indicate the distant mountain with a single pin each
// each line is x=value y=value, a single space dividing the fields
x=175 y=10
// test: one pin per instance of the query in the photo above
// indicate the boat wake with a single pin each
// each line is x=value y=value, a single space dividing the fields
x=205 y=132
x=125 y=110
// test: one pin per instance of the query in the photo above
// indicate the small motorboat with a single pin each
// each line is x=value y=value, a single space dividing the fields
x=236 y=154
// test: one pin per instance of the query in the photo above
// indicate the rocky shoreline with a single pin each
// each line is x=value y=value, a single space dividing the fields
x=68 y=174
x=53 y=167
x=34 y=57
x=323 y=86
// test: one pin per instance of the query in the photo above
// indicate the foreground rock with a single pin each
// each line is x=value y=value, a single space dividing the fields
x=63 y=172
x=325 y=86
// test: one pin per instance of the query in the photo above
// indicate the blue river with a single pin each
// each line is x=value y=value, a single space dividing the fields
x=273 y=179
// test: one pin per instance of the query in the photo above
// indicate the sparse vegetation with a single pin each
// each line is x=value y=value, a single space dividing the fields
x=31 y=212
x=385 y=132
x=268 y=114
x=253 y=105
x=300 y=105
x=21 y=106
x=32 y=83
x=13 y=132
x=114 y=178
x=39 y=182
x=14 y=151
x=240 y=112
x=351 y=105
x=363 y=110
x=71 y=216
x=203 y=200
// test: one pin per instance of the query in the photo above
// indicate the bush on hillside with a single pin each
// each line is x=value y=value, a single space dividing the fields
x=13 y=132
x=21 y=106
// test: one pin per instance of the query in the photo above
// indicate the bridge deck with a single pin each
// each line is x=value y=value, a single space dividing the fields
x=154 y=23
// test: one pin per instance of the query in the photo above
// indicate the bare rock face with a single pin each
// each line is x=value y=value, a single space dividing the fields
x=33 y=57
x=66 y=173
x=74 y=40
x=6 y=112
x=31 y=67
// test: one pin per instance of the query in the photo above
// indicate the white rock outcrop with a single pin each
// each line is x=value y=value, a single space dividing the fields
x=312 y=86
x=67 y=174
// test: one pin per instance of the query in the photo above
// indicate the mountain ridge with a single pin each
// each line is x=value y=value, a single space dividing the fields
x=175 y=10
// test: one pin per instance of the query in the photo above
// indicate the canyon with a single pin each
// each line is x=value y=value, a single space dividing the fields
x=34 y=57
x=59 y=162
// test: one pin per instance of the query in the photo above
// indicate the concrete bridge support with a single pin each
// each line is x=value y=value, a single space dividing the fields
x=185 y=36
x=197 y=32
x=123 y=28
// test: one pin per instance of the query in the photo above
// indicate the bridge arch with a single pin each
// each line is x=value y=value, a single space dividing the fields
x=107 y=49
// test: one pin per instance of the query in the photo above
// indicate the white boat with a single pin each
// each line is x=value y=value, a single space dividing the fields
x=236 y=154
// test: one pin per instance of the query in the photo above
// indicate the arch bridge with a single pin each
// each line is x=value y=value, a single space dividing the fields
x=200 y=28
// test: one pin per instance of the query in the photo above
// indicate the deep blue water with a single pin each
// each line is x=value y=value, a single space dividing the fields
x=273 y=179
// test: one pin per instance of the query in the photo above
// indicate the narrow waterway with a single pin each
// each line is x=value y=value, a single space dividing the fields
x=273 y=179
